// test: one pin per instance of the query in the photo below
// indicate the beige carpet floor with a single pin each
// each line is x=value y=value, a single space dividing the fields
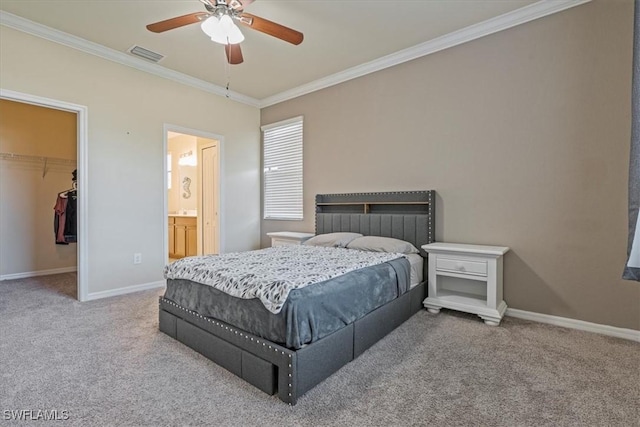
x=104 y=363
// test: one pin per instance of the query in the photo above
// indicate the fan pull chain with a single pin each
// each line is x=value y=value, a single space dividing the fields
x=227 y=69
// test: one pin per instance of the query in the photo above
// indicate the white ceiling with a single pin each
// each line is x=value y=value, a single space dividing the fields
x=339 y=35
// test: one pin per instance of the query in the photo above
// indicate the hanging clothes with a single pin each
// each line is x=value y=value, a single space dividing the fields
x=59 y=218
x=65 y=216
x=70 y=219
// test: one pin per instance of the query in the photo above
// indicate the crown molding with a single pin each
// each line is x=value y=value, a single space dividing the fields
x=520 y=16
x=508 y=20
x=27 y=26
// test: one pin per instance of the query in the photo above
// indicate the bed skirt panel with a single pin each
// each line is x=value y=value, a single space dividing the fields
x=319 y=360
x=262 y=363
x=370 y=329
x=276 y=369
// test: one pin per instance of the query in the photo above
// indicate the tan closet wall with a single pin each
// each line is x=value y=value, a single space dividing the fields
x=27 y=198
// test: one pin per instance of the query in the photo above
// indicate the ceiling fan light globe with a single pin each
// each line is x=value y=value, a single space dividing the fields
x=222 y=30
x=210 y=25
x=219 y=38
x=235 y=36
x=226 y=23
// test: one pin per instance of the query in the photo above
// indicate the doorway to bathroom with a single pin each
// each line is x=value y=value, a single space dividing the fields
x=193 y=193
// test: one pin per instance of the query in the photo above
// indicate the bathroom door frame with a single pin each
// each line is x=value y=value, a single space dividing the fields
x=82 y=126
x=220 y=184
x=201 y=147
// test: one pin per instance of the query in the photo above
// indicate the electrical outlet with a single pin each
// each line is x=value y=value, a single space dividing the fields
x=137 y=258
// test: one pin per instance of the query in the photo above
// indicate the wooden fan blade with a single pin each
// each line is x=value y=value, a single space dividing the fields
x=234 y=54
x=179 y=21
x=268 y=27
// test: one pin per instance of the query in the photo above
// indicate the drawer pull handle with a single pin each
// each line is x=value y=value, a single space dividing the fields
x=460 y=267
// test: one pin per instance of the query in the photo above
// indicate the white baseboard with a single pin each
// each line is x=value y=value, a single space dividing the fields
x=612 y=331
x=629 y=334
x=125 y=290
x=38 y=273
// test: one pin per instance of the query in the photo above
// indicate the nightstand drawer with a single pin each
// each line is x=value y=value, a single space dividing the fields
x=462 y=266
x=284 y=242
x=452 y=268
x=282 y=238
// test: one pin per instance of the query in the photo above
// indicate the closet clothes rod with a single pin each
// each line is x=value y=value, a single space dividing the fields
x=38 y=159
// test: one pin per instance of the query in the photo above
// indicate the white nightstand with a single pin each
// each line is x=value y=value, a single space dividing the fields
x=281 y=238
x=466 y=278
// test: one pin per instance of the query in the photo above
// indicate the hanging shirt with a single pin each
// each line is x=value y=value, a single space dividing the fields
x=70 y=220
x=59 y=219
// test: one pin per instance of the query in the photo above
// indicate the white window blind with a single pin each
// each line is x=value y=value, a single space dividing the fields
x=282 y=154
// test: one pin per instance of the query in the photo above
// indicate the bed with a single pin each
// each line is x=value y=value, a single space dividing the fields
x=285 y=358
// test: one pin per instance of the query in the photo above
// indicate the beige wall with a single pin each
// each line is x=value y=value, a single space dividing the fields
x=127 y=110
x=27 y=198
x=524 y=135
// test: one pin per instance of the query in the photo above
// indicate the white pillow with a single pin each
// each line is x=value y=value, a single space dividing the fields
x=337 y=240
x=382 y=244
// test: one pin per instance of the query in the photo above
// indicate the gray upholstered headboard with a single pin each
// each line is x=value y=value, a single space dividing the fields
x=405 y=215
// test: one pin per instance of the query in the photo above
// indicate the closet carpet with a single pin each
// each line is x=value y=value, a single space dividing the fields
x=104 y=363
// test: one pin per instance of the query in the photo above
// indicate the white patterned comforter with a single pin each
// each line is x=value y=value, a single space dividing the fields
x=270 y=274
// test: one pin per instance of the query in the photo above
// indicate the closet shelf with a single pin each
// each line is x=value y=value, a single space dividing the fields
x=46 y=161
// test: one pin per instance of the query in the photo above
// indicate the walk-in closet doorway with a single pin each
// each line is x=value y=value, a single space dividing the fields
x=44 y=164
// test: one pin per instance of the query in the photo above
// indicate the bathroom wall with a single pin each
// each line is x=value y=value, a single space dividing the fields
x=182 y=196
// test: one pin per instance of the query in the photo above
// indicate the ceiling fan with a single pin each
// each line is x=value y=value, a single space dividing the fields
x=218 y=23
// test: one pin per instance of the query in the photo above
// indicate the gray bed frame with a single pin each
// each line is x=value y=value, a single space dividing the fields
x=272 y=368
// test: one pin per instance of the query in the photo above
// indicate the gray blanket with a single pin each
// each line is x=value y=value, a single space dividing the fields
x=271 y=273
x=310 y=313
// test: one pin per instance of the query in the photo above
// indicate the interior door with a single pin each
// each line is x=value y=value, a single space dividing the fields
x=209 y=185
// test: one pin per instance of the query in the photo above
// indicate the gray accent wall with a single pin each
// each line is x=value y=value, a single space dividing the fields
x=524 y=135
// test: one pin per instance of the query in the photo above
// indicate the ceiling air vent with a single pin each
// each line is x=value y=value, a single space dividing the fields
x=146 y=54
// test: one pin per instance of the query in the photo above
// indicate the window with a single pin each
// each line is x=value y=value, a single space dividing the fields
x=282 y=156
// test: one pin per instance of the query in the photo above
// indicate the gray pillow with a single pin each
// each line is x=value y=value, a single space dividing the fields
x=382 y=244
x=337 y=240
